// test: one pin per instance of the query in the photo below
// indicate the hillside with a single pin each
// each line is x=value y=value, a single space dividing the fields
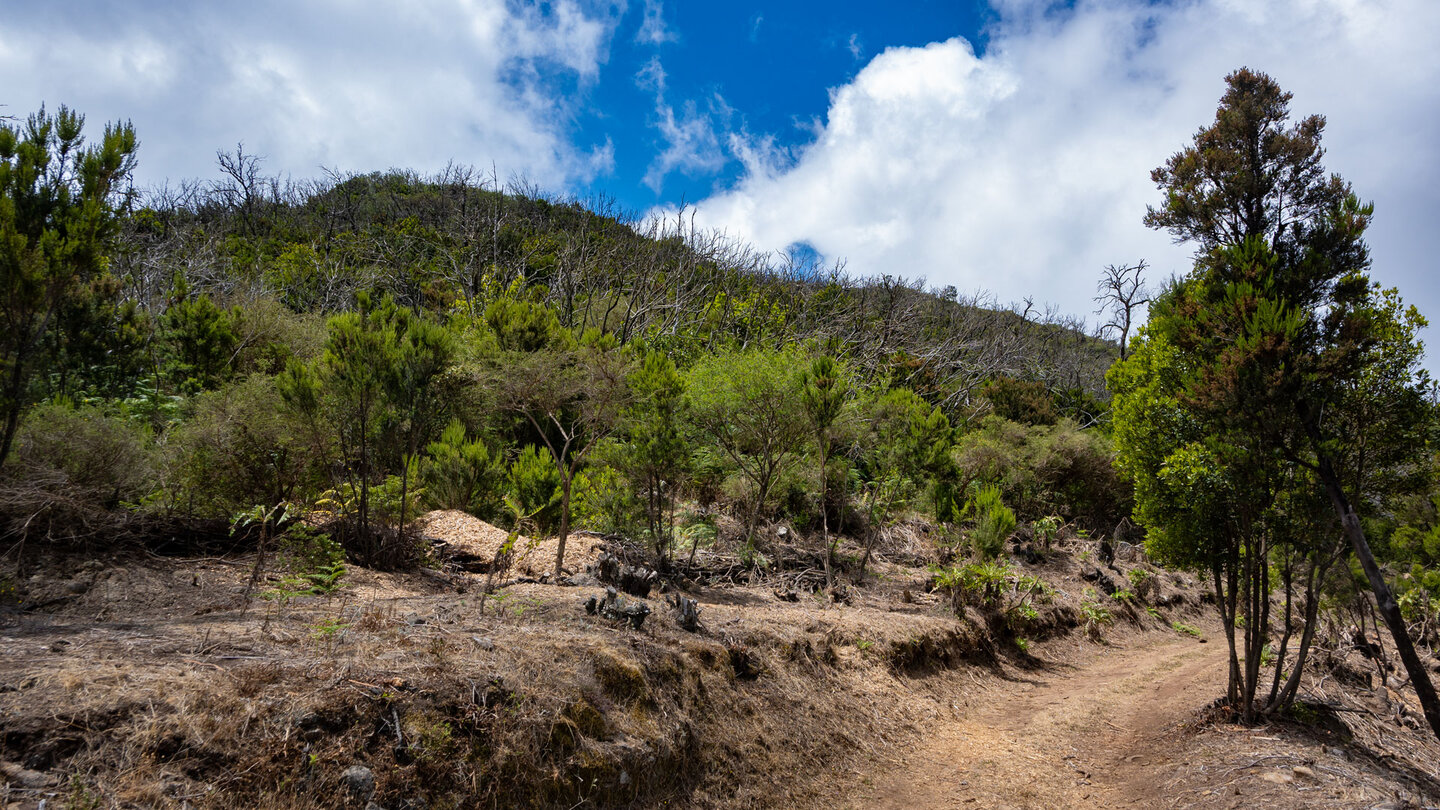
x=455 y=241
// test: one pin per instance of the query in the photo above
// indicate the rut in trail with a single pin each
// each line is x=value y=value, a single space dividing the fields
x=1095 y=734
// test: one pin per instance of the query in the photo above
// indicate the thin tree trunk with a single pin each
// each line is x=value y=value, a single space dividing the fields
x=1225 y=604
x=825 y=522
x=1312 y=611
x=14 y=390
x=565 y=480
x=1350 y=522
x=1284 y=647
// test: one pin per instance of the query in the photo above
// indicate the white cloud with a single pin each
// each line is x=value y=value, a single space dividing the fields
x=691 y=143
x=653 y=30
x=1026 y=170
x=353 y=86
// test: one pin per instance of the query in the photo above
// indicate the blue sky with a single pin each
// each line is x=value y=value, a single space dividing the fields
x=764 y=68
x=1000 y=146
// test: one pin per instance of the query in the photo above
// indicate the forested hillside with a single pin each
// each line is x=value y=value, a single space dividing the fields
x=506 y=334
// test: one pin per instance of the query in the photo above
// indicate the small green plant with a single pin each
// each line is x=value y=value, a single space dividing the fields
x=1022 y=644
x=1304 y=713
x=699 y=533
x=1185 y=629
x=751 y=557
x=863 y=644
x=428 y=737
x=1154 y=612
x=1123 y=595
x=977 y=583
x=329 y=632
x=505 y=556
x=1096 y=615
x=315 y=563
x=1046 y=529
x=1267 y=656
x=82 y=797
x=1142 y=582
x=258 y=516
x=329 y=628
x=1418 y=607
x=994 y=585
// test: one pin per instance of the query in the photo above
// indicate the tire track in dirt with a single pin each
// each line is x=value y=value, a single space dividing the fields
x=1096 y=734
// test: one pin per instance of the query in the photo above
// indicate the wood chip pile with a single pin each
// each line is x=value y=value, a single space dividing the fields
x=468 y=538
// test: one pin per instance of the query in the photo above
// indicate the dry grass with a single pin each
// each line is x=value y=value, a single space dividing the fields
x=148 y=684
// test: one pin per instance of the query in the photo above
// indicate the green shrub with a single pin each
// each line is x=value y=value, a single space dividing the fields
x=241 y=447
x=534 y=483
x=201 y=338
x=314 y=563
x=1047 y=470
x=87 y=453
x=994 y=585
x=462 y=474
x=604 y=502
x=1045 y=529
x=981 y=583
x=994 y=521
x=1143 y=583
x=696 y=534
x=1419 y=607
x=1096 y=615
x=1021 y=401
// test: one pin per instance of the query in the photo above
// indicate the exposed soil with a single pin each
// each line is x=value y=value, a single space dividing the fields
x=1129 y=725
x=1095 y=732
x=141 y=681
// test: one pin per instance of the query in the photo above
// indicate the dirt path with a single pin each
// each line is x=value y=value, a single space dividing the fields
x=1096 y=734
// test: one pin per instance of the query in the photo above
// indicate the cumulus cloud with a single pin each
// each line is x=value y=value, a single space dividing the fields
x=1025 y=170
x=356 y=86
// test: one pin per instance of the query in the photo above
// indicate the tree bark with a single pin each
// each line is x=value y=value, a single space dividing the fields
x=564 y=525
x=1312 y=610
x=1384 y=599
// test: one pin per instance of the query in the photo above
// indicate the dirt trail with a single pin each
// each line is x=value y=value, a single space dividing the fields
x=1096 y=734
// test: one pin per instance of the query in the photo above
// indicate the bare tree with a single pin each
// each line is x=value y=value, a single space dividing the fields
x=244 y=188
x=1121 y=293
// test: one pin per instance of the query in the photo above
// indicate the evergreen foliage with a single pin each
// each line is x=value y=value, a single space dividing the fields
x=1274 y=375
x=60 y=208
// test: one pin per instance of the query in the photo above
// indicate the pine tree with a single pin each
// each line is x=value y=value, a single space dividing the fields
x=59 y=204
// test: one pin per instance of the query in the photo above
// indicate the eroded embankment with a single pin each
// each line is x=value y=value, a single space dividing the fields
x=147 y=686
x=151 y=689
